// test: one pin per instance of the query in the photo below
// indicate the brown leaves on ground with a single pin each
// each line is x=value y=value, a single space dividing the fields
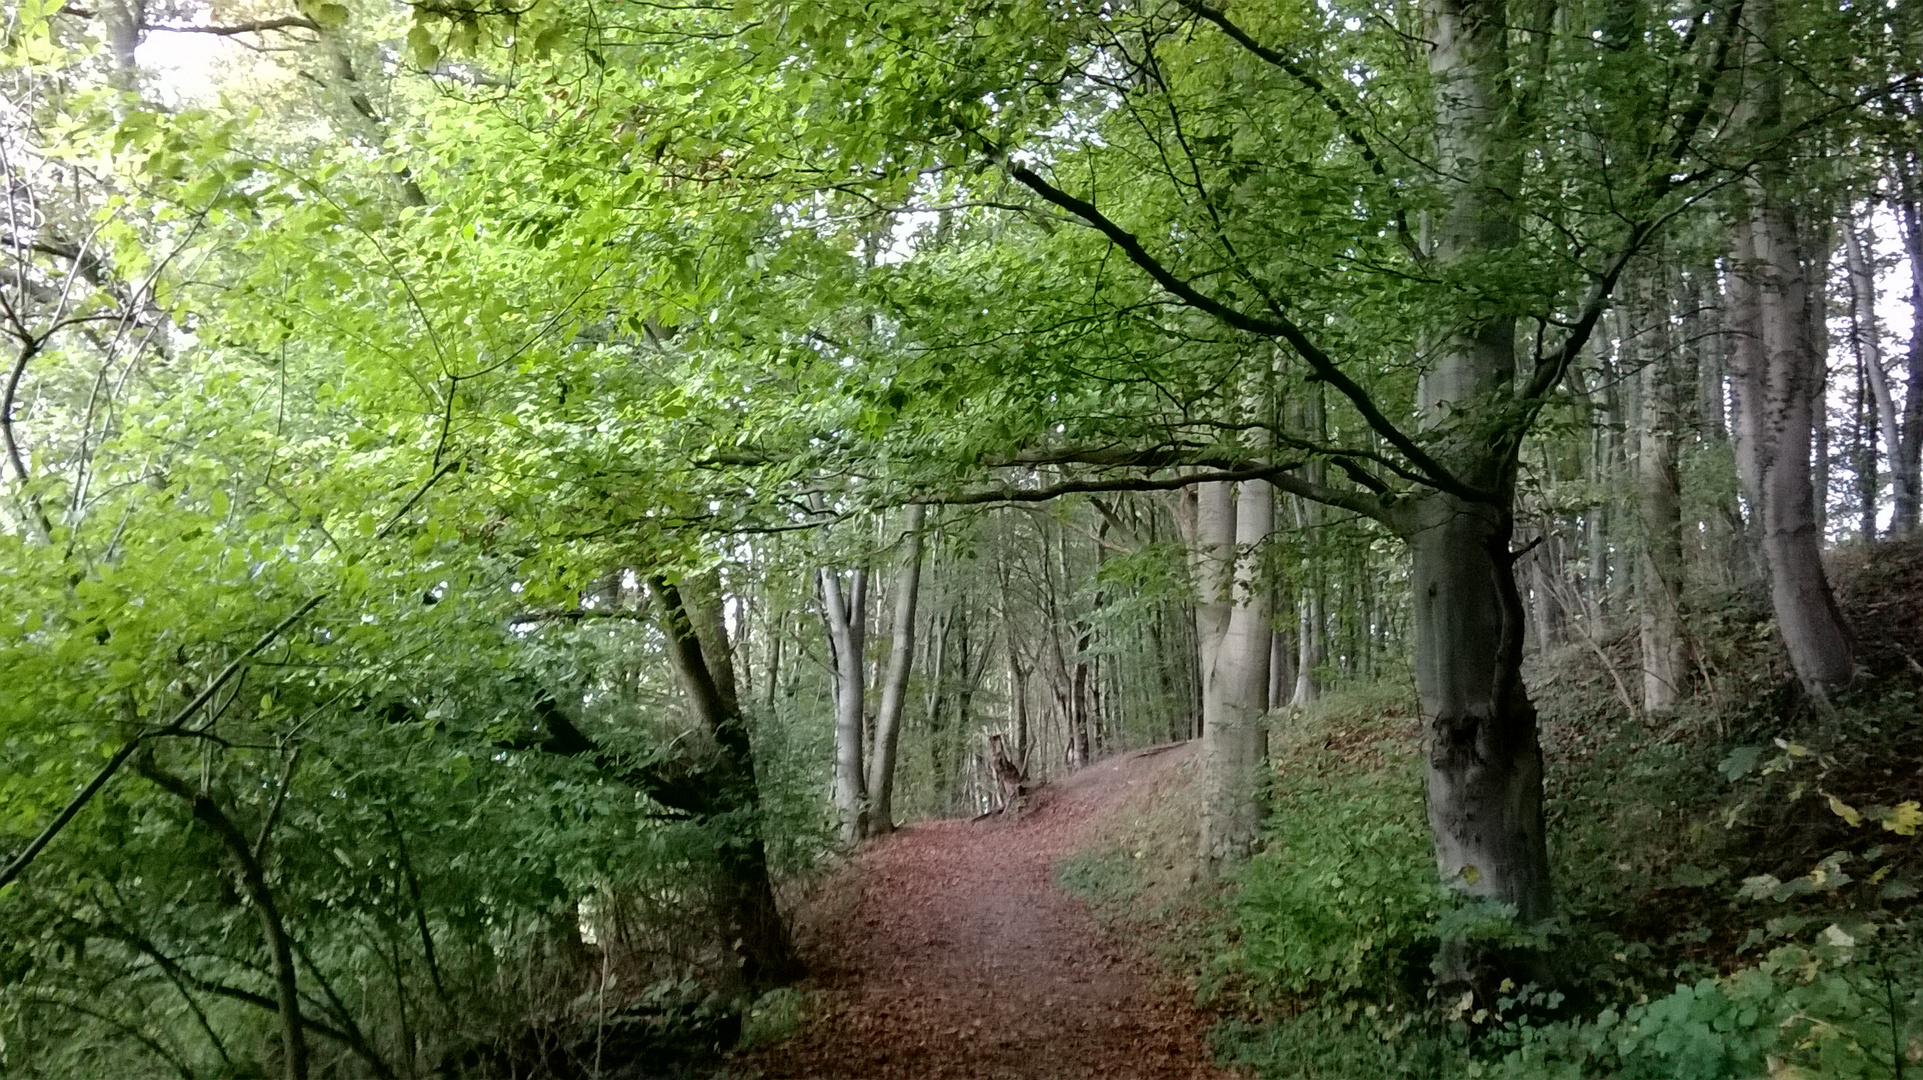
x=946 y=951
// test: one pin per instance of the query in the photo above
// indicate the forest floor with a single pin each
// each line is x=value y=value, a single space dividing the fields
x=947 y=951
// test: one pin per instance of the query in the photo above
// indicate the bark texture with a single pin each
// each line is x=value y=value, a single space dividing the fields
x=894 y=685
x=1236 y=691
x=845 y=614
x=725 y=793
x=1774 y=363
x=1484 y=763
x=1659 y=496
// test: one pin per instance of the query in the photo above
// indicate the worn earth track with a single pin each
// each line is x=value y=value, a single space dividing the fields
x=946 y=951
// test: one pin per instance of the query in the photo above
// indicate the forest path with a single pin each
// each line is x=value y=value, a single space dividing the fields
x=946 y=951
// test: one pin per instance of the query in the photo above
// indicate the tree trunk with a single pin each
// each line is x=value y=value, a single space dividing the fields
x=1774 y=362
x=253 y=882
x=1659 y=502
x=1211 y=564
x=1311 y=615
x=1907 y=454
x=894 y=687
x=845 y=616
x=1309 y=620
x=1869 y=353
x=1484 y=762
x=744 y=890
x=1235 y=697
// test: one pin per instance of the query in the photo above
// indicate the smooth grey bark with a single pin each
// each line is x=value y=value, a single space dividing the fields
x=1236 y=691
x=1281 y=665
x=845 y=615
x=894 y=686
x=1484 y=761
x=1774 y=361
x=1211 y=564
x=1310 y=617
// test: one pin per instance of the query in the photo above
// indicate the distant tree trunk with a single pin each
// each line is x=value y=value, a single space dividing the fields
x=846 y=617
x=1774 y=361
x=1907 y=454
x=1311 y=615
x=1660 y=503
x=1729 y=559
x=1869 y=354
x=1281 y=664
x=894 y=688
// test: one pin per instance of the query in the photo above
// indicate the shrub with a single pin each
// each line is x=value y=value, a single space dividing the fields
x=1343 y=898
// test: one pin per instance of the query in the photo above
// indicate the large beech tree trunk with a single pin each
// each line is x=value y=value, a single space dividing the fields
x=894 y=685
x=1484 y=763
x=1773 y=360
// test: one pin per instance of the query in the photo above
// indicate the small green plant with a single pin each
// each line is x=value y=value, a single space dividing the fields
x=774 y=1017
x=1818 y=1009
x=1099 y=877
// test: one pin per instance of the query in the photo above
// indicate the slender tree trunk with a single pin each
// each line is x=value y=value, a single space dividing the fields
x=894 y=688
x=1660 y=503
x=1310 y=618
x=844 y=615
x=253 y=881
x=1235 y=698
x=1907 y=453
x=1869 y=355
x=1311 y=613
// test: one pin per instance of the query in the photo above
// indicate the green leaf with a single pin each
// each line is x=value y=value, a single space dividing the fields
x=1740 y=762
x=331 y=16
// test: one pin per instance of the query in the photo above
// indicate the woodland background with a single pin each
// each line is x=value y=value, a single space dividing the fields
x=497 y=499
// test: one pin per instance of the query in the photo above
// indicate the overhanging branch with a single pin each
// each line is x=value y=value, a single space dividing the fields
x=1277 y=326
x=1279 y=475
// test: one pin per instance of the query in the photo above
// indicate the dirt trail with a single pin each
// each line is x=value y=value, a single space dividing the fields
x=951 y=954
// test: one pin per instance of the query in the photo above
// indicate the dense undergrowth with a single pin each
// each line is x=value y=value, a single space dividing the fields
x=1735 y=879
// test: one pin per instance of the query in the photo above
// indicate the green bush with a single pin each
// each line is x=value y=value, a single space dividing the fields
x=1343 y=898
x=1804 y=1013
x=1335 y=1044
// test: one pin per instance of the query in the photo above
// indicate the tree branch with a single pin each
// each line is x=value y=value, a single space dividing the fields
x=1344 y=117
x=176 y=726
x=1367 y=505
x=1275 y=326
x=285 y=22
